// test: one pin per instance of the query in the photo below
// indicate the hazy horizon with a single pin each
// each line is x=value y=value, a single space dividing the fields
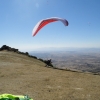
x=64 y=49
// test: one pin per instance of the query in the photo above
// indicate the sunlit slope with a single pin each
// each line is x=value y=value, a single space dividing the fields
x=20 y=74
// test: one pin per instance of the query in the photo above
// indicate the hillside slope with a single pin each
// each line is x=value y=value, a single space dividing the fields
x=20 y=74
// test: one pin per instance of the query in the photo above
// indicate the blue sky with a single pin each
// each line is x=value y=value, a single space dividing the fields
x=18 y=18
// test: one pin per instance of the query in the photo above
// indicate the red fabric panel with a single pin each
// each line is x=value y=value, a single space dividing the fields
x=43 y=23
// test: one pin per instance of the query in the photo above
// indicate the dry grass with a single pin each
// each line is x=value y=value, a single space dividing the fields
x=20 y=74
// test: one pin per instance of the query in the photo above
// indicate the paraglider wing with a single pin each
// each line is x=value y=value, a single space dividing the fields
x=44 y=22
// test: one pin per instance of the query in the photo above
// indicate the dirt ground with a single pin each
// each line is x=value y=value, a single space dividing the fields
x=20 y=75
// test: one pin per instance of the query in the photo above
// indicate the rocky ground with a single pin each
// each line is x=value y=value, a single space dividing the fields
x=20 y=74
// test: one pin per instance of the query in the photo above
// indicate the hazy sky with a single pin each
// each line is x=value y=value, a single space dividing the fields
x=18 y=18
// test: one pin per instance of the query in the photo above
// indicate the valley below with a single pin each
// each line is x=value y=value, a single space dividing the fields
x=73 y=60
